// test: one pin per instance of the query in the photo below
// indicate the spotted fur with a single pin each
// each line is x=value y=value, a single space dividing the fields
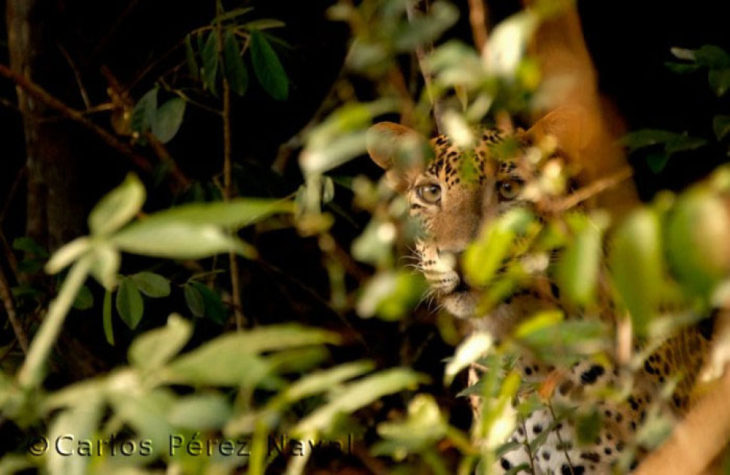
x=469 y=197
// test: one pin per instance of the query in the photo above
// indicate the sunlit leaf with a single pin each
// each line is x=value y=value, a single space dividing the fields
x=235 y=213
x=177 y=240
x=129 y=303
x=118 y=207
x=145 y=412
x=200 y=412
x=468 y=352
x=268 y=68
x=105 y=267
x=577 y=272
x=68 y=254
x=157 y=347
x=358 y=394
x=636 y=266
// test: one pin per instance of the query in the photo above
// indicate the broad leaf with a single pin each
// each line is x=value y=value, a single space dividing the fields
x=151 y=284
x=209 y=53
x=236 y=72
x=268 y=68
x=168 y=119
x=129 y=303
x=118 y=207
x=194 y=300
x=157 y=347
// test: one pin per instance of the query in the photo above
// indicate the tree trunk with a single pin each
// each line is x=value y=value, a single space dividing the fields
x=54 y=208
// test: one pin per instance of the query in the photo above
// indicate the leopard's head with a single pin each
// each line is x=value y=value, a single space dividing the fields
x=454 y=192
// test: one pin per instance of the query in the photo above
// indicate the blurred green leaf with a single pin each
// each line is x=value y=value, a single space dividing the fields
x=143 y=113
x=84 y=299
x=588 y=427
x=81 y=420
x=264 y=24
x=721 y=126
x=168 y=119
x=107 y=318
x=214 y=308
x=105 y=267
x=657 y=161
x=235 y=213
x=151 y=284
x=209 y=54
x=200 y=412
x=161 y=237
x=118 y=207
x=129 y=303
x=236 y=72
x=486 y=255
x=577 y=271
x=194 y=300
x=68 y=254
x=30 y=246
x=636 y=266
x=156 y=347
x=719 y=80
x=358 y=394
x=712 y=56
x=232 y=14
x=469 y=351
x=268 y=68
x=145 y=412
x=424 y=426
x=191 y=60
x=698 y=249
x=426 y=28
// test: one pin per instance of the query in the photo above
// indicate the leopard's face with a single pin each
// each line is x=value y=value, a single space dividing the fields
x=454 y=196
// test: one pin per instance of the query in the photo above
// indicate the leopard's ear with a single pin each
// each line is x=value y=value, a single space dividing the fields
x=399 y=150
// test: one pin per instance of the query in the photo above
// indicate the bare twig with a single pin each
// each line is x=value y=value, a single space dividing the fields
x=7 y=297
x=478 y=20
x=595 y=188
x=77 y=77
x=228 y=174
x=421 y=55
x=77 y=116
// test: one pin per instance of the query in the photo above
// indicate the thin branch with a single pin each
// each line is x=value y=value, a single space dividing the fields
x=478 y=20
x=7 y=297
x=77 y=77
x=79 y=117
x=422 y=52
x=228 y=191
x=595 y=188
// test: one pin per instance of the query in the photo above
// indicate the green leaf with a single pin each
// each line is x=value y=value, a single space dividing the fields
x=176 y=240
x=156 y=347
x=68 y=254
x=234 y=214
x=84 y=299
x=721 y=126
x=636 y=266
x=192 y=62
x=646 y=138
x=213 y=304
x=712 y=56
x=232 y=14
x=236 y=72
x=268 y=68
x=129 y=303
x=426 y=28
x=200 y=412
x=30 y=246
x=194 y=300
x=118 y=207
x=472 y=349
x=682 y=68
x=143 y=113
x=577 y=272
x=683 y=143
x=107 y=318
x=151 y=284
x=657 y=161
x=144 y=411
x=719 y=81
x=359 y=394
x=168 y=119
x=105 y=267
x=209 y=53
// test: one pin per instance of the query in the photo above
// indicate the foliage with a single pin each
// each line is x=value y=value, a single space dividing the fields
x=281 y=394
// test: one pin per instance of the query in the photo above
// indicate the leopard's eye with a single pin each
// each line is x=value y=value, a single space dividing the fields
x=430 y=193
x=509 y=189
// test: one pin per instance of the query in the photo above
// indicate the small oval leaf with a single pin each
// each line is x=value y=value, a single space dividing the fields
x=129 y=303
x=268 y=68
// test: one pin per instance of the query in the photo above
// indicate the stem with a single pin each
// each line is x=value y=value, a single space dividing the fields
x=31 y=373
x=7 y=297
x=227 y=171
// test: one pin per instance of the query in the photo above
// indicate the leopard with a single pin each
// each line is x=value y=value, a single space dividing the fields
x=455 y=189
x=453 y=209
